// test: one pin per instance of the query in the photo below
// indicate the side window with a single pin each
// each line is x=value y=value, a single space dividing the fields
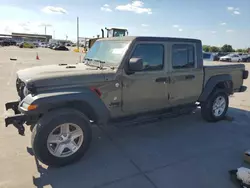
x=151 y=54
x=183 y=56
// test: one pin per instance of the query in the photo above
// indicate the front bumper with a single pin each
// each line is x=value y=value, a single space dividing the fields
x=16 y=120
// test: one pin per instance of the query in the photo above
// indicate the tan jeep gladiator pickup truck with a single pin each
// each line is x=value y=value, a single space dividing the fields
x=121 y=79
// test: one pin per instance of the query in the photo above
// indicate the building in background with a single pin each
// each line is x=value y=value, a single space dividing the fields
x=25 y=37
x=60 y=41
x=83 y=41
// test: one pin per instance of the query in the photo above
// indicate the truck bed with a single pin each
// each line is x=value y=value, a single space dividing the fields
x=214 y=68
x=220 y=64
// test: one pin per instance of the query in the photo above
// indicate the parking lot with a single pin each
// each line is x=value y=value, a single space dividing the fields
x=178 y=152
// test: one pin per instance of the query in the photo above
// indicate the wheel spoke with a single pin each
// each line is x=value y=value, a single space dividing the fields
x=54 y=139
x=59 y=149
x=75 y=134
x=65 y=129
x=72 y=146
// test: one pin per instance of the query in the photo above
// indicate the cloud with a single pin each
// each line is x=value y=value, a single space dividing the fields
x=229 y=31
x=180 y=30
x=230 y=8
x=144 y=25
x=135 y=6
x=213 y=32
x=224 y=23
x=55 y=10
x=234 y=10
x=44 y=24
x=176 y=26
x=9 y=26
x=106 y=8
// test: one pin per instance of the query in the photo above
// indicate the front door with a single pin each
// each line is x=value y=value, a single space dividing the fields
x=186 y=80
x=146 y=90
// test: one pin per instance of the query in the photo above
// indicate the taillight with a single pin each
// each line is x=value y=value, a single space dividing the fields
x=245 y=74
x=96 y=90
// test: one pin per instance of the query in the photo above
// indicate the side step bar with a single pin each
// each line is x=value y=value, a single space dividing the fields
x=128 y=122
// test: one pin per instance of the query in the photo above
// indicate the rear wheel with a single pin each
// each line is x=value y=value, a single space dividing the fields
x=61 y=138
x=216 y=106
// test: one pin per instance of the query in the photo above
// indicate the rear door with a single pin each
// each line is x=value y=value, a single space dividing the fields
x=146 y=90
x=186 y=80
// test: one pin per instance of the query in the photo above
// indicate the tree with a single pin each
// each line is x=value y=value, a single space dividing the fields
x=227 y=48
x=205 y=48
x=239 y=50
x=214 y=49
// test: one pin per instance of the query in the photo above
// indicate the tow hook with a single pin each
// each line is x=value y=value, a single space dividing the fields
x=17 y=121
x=20 y=128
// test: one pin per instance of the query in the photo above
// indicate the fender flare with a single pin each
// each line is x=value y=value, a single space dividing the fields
x=87 y=102
x=222 y=81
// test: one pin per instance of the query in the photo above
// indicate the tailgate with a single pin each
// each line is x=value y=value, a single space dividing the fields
x=220 y=68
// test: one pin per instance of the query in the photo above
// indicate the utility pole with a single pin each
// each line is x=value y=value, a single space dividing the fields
x=78 y=33
x=54 y=34
x=45 y=27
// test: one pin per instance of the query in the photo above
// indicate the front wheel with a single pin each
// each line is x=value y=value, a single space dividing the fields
x=61 y=137
x=216 y=106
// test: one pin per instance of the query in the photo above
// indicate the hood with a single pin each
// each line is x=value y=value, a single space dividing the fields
x=62 y=74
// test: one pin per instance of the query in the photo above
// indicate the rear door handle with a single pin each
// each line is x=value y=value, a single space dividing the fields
x=161 y=79
x=189 y=77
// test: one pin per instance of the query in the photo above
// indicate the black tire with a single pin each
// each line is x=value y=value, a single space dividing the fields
x=207 y=106
x=49 y=122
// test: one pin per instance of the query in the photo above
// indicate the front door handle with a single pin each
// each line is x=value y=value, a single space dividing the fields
x=161 y=79
x=189 y=77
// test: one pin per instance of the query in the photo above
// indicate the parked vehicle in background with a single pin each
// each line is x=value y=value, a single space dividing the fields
x=27 y=45
x=61 y=48
x=51 y=46
x=8 y=42
x=246 y=58
x=218 y=55
x=208 y=56
x=125 y=80
x=43 y=45
x=36 y=44
x=231 y=58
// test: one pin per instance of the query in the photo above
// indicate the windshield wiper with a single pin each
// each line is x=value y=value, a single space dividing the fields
x=96 y=60
x=100 y=66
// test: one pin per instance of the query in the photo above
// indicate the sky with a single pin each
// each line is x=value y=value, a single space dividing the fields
x=215 y=22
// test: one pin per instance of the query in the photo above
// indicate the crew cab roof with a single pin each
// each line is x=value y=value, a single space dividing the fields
x=157 y=39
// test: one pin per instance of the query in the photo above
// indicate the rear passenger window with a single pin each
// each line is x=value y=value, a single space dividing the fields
x=151 y=54
x=183 y=56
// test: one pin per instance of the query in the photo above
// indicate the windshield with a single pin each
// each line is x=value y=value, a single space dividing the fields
x=110 y=51
x=119 y=33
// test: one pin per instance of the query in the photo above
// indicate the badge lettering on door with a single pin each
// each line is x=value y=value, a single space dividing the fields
x=114 y=104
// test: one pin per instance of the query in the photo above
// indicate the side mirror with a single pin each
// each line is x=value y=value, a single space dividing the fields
x=135 y=64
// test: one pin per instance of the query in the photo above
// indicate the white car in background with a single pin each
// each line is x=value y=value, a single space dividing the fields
x=231 y=58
